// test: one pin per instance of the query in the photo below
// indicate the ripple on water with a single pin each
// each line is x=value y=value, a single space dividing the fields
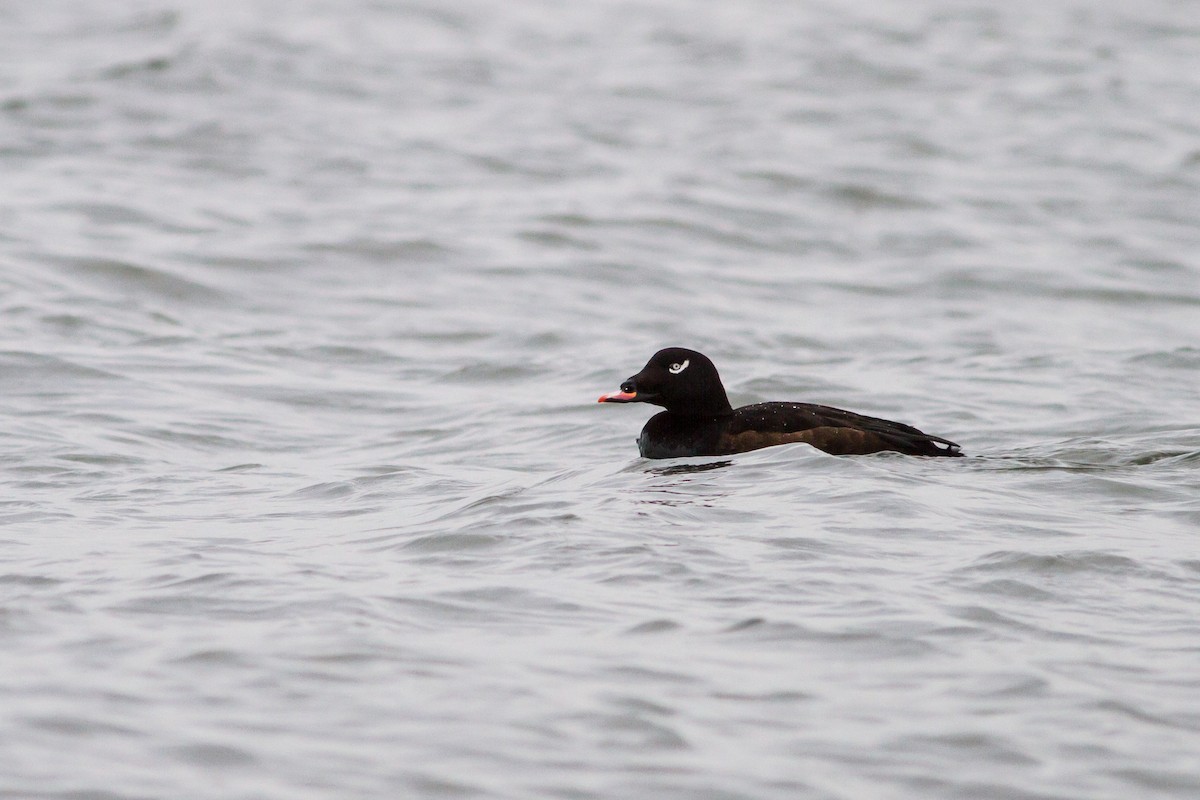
x=129 y=278
x=1085 y=561
x=24 y=373
x=211 y=755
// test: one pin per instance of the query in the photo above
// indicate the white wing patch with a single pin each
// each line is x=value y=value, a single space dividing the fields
x=675 y=369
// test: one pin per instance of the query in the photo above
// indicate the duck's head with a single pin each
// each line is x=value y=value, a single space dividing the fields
x=680 y=380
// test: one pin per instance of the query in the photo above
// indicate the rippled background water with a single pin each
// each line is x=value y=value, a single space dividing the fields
x=305 y=307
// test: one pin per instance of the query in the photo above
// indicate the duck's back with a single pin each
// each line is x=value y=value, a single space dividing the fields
x=833 y=430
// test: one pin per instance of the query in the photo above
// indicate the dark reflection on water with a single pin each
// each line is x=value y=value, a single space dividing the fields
x=687 y=469
x=1097 y=455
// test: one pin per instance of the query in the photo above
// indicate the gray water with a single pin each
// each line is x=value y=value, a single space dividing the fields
x=305 y=309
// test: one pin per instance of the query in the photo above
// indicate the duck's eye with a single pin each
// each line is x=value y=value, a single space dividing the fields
x=677 y=368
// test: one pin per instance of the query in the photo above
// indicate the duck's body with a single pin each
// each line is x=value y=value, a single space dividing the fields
x=842 y=433
x=699 y=421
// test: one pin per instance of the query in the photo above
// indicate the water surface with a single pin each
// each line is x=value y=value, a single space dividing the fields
x=305 y=308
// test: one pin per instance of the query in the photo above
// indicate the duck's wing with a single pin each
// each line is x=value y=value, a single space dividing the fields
x=833 y=430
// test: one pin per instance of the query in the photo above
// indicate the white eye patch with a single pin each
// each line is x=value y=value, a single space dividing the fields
x=675 y=369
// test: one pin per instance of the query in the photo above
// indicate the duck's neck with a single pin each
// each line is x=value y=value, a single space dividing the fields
x=710 y=404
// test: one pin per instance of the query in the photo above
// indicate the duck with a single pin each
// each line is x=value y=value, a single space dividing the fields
x=698 y=419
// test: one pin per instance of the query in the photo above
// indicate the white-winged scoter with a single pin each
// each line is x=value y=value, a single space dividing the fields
x=699 y=421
